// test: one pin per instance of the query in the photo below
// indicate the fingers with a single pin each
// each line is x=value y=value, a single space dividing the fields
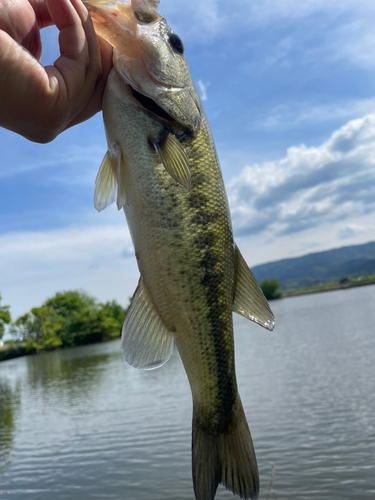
x=78 y=66
x=95 y=104
x=42 y=15
x=18 y=20
x=99 y=53
x=21 y=78
x=74 y=79
x=38 y=102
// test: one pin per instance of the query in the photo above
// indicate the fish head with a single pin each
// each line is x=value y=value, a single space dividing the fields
x=149 y=57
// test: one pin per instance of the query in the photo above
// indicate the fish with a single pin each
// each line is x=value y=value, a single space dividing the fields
x=162 y=168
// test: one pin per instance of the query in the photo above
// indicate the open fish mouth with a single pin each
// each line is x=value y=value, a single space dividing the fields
x=151 y=106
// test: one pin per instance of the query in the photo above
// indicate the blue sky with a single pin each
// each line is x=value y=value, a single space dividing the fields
x=289 y=91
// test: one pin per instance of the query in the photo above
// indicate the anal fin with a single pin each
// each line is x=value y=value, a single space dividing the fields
x=146 y=343
x=249 y=300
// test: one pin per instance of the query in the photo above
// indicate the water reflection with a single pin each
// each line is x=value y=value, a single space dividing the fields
x=68 y=375
x=10 y=400
x=90 y=426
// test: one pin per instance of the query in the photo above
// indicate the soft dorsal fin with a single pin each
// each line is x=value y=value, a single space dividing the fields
x=249 y=300
x=174 y=159
x=146 y=342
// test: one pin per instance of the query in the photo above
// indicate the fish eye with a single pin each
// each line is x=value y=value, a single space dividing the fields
x=176 y=43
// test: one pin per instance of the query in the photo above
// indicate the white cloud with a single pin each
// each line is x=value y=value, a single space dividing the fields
x=309 y=186
x=303 y=202
x=194 y=18
x=349 y=231
x=296 y=114
x=221 y=17
x=269 y=9
x=202 y=88
x=35 y=265
x=86 y=158
x=355 y=40
x=265 y=247
x=65 y=160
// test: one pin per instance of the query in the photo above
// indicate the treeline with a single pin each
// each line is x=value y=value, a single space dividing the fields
x=271 y=289
x=66 y=319
x=73 y=318
x=5 y=318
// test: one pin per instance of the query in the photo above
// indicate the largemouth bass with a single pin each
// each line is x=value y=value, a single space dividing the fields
x=162 y=168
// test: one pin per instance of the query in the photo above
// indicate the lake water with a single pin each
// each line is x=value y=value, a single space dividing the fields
x=80 y=423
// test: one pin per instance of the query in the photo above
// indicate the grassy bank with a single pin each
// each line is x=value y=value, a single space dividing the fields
x=343 y=285
x=11 y=350
x=69 y=318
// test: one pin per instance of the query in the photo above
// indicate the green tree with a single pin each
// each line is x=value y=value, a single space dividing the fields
x=84 y=319
x=39 y=329
x=76 y=310
x=271 y=289
x=113 y=308
x=5 y=318
x=69 y=318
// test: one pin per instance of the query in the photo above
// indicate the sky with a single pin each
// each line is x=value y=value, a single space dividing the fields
x=289 y=91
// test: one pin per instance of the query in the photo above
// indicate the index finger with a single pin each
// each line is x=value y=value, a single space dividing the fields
x=41 y=13
x=79 y=63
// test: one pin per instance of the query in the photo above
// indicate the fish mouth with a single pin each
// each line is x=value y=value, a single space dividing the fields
x=150 y=106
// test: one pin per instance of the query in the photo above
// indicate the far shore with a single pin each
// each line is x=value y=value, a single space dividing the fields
x=14 y=350
x=17 y=350
x=329 y=287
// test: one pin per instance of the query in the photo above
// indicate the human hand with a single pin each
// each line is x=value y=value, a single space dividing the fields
x=41 y=102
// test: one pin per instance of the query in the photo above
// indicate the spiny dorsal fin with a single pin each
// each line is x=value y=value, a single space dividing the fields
x=106 y=183
x=249 y=300
x=174 y=159
x=146 y=342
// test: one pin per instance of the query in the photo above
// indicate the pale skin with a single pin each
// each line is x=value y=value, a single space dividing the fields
x=41 y=102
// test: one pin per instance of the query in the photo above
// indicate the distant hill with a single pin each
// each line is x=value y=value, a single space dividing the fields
x=320 y=268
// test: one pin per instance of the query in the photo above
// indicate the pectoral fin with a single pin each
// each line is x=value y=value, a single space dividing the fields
x=174 y=159
x=110 y=183
x=106 y=182
x=249 y=300
x=146 y=342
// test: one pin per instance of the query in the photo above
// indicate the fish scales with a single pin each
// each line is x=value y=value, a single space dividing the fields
x=186 y=261
x=211 y=235
x=163 y=169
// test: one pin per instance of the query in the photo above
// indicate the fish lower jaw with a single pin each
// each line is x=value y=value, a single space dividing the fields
x=150 y=106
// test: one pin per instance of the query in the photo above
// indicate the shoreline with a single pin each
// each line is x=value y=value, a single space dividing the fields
x=9 y=351
x=327 y=288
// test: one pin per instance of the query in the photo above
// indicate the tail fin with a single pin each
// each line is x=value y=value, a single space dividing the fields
x=226 y=458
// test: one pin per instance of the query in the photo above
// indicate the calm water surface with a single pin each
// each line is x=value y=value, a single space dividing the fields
x=80 y=423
